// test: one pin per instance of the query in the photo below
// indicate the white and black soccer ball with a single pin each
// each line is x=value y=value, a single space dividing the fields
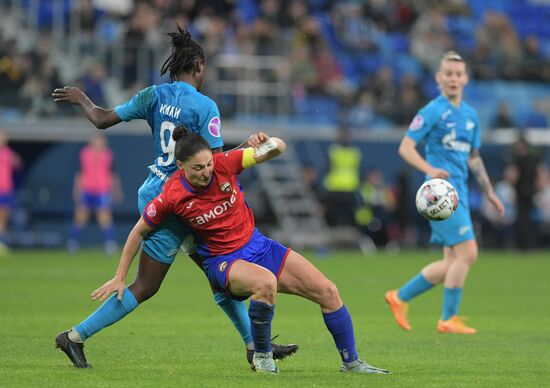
x=436 y=199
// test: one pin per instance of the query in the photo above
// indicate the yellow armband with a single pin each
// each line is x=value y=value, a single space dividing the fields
x=248 y=158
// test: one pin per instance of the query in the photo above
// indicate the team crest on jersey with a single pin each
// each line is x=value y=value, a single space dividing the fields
x=151 y=210
x=416 y=123
x=215 y=126
x=222 y=266
x=225 y=187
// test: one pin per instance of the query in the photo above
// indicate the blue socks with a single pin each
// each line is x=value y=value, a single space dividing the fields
x=340 y=326
x=451 y=302
x=261 y=315
x=237 y=313
x=414 y=287
x=111 y=311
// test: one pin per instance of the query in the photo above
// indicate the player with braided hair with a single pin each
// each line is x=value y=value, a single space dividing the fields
x=164 y=107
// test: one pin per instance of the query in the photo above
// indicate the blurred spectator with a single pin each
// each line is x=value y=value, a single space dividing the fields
x=430 y=38
x=92 y=83
x=342 y=181
x=357 y=33
x=500 y=230
x=410 y=99
x=329 y=73
x=527 y=164
x=362 y=114
x=378 y=204
x=94 y=188
x=382 y=86
x=542 y=202
x=404 y=205
x=498 y=34
x=13 y=74
x=503 y=118
x=9 y=161
x=533 y=65
x=536 y=117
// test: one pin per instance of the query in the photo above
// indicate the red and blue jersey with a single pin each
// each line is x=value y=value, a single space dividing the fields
x=218 y=214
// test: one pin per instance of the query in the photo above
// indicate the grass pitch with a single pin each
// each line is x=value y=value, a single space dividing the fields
x=181 y=338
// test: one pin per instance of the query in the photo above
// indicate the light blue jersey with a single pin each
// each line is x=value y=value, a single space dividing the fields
x=450 y=133
x=164 y=107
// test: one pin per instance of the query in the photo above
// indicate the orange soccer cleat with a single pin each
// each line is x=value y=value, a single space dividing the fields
x=454 y=325
x=399 y=309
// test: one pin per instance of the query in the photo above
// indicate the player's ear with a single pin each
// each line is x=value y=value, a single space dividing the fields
x=179 y=164
x=200 y=66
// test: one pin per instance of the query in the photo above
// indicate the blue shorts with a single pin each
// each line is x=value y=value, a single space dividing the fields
x=164 y=242
x=456 y=229
x=95 y=201
x=7 y=199
x=259 y=250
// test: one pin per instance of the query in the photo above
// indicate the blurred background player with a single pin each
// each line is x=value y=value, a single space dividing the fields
x=9 y=160
x=94 y=189
x=163 y=107
x=237 y=259
x=451 y=131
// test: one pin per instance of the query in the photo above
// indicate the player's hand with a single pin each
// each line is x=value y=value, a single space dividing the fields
x=114 y=285
x=256 y=139
x=497 y=203
x=69 y=94
x=438 y=173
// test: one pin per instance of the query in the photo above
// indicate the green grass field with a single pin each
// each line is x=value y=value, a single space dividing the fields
x=181 y=338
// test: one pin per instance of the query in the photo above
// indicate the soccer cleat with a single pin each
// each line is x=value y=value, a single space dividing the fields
x=360 y=366
x=454 y=325
x=399 y=309
x=264 y=363
x=73 y=350
x=280 y=352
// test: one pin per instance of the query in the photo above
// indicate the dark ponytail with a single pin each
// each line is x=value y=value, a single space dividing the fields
x=188 y=144
x=185 y=54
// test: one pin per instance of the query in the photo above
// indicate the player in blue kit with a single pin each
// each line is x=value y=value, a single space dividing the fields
x=451 y=132
x=163 y=107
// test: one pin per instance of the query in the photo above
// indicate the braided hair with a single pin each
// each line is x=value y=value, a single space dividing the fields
x=188 y=144
x=185 y=54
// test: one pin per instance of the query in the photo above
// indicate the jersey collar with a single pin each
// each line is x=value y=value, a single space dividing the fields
x=185 y=85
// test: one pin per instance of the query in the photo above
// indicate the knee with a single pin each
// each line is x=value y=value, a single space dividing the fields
x=142 y=291
x=265 y=289
x=470 y=258
x=470 y=255
x=330 y=297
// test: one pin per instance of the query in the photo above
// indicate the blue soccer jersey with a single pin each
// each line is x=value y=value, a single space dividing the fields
x=449 y=133
x=165 y=107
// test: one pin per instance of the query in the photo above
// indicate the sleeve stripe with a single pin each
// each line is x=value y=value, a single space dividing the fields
x=148 y=221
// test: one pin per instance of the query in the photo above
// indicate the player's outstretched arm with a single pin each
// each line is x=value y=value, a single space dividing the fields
x=265 y=147
x=131 y=248
x=407 y=150
x=480 y=173
x=101 y=118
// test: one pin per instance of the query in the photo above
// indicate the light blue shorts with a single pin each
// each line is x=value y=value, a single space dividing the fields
x=456 y=229
x=164 y=242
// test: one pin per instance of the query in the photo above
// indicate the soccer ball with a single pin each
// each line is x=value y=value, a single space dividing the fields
x=436 y=199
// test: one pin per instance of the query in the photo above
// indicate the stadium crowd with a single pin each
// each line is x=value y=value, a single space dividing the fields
x=365 y=64
x=371 y=60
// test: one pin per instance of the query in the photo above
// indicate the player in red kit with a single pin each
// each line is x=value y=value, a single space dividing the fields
x=238 y=260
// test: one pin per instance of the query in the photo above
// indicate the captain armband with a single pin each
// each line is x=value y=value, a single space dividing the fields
x=248 y=158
